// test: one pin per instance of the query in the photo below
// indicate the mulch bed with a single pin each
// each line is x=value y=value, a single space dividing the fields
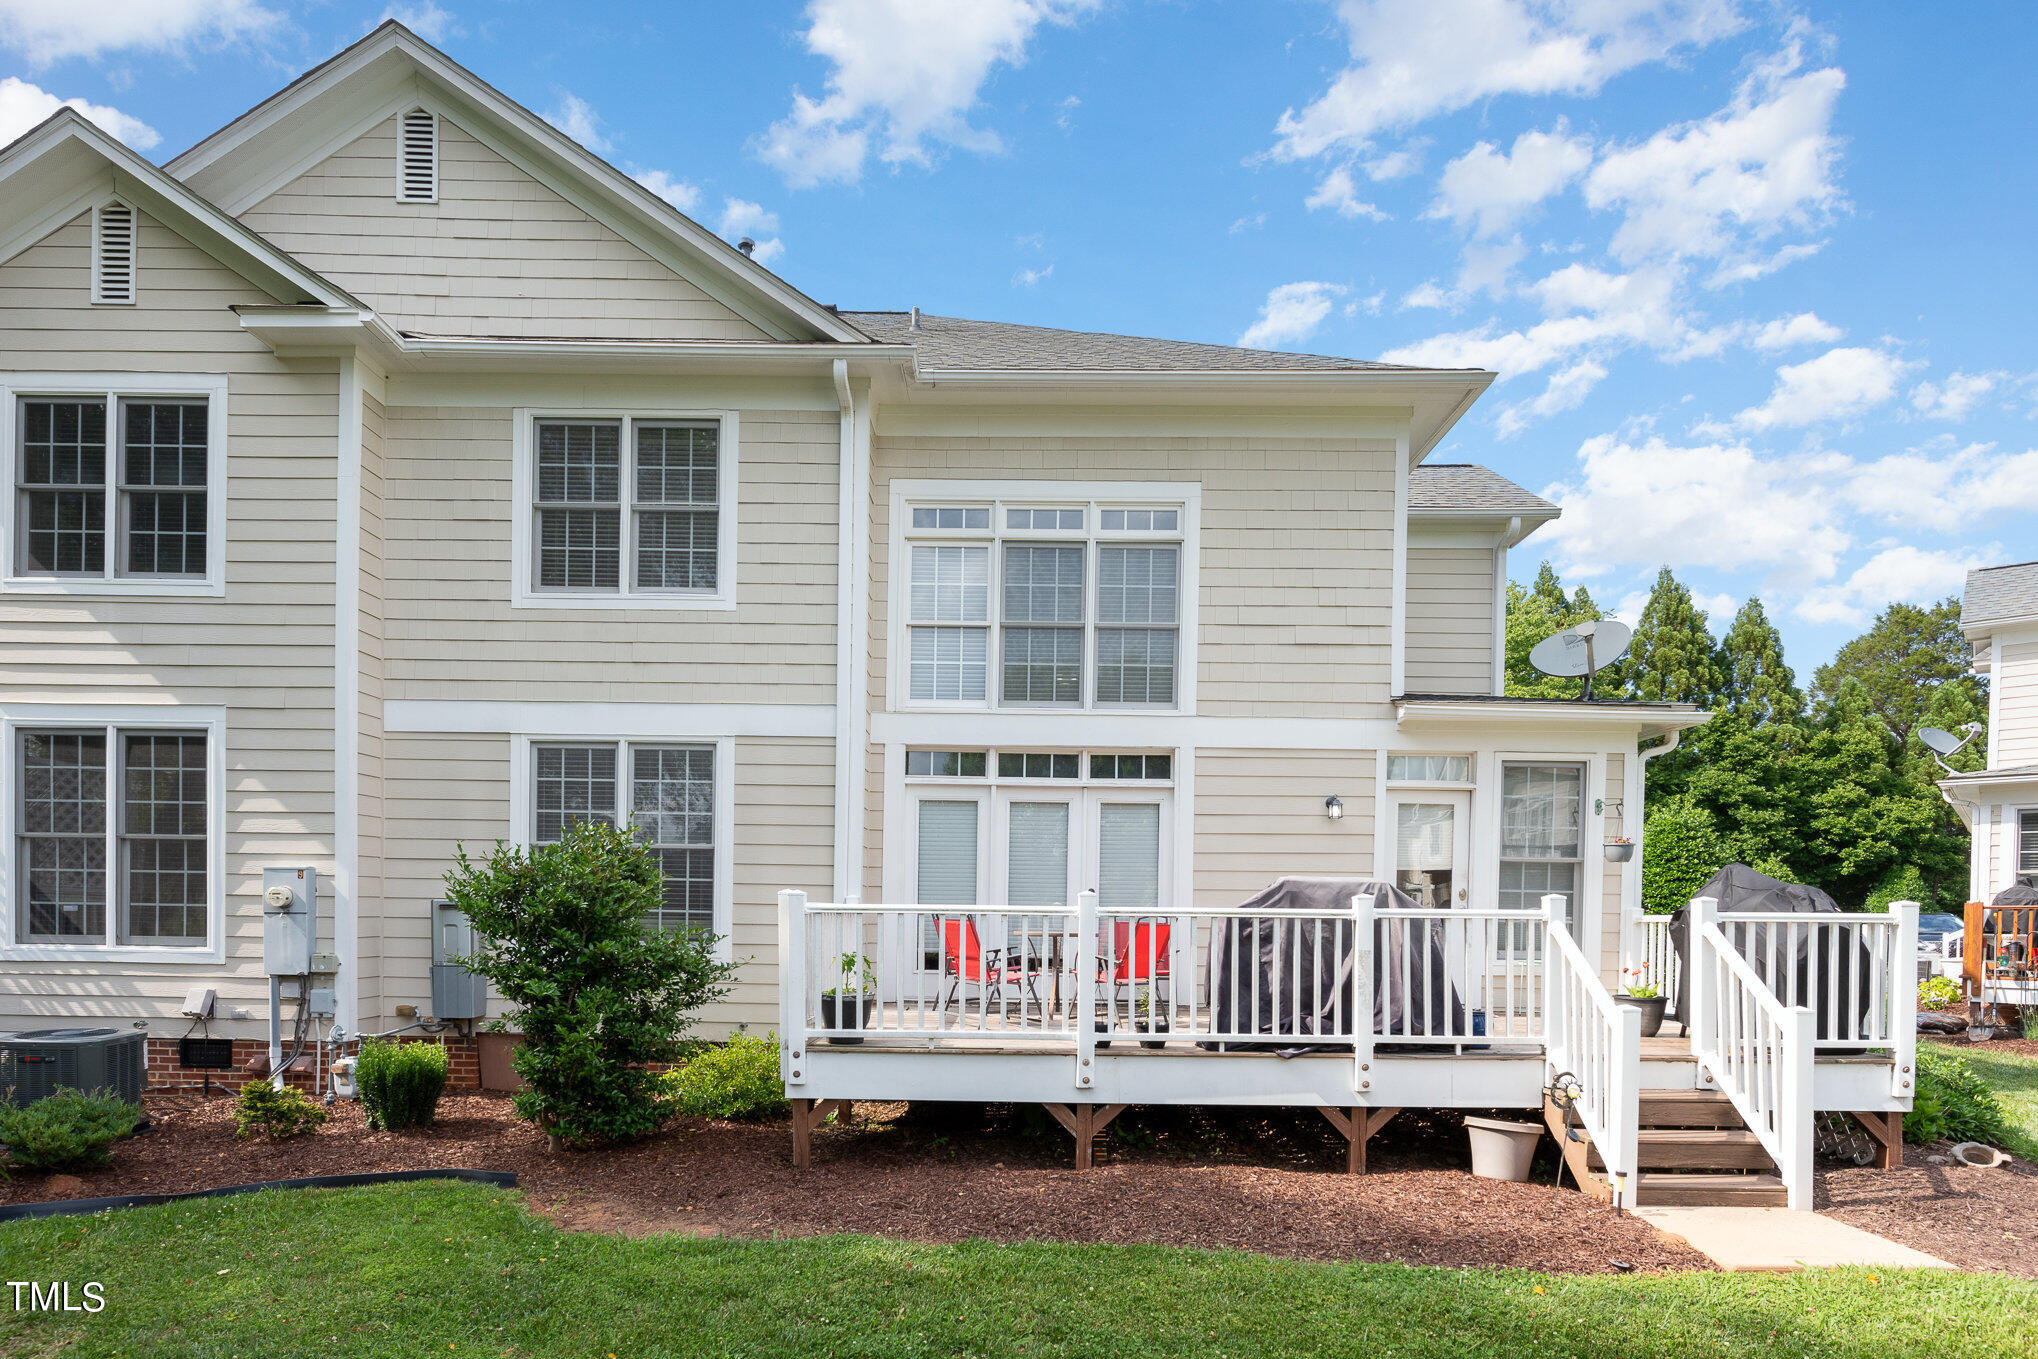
x=1976 y=1219
x=1998 y=1046
x=1251 y=1179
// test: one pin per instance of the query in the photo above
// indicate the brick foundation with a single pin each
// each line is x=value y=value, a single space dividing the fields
x=463 y=1064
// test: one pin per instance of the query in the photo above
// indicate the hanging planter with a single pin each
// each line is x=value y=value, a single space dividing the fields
x=1619 y=851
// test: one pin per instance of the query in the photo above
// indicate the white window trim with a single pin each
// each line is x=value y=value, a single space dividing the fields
x=1471 y=779
x=524 y=814
x=523 y=591
x=158 y=716
x=998 y=495
x=111 y=387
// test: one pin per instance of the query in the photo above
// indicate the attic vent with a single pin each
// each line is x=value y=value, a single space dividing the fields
x=417 y=157
x=113 y=253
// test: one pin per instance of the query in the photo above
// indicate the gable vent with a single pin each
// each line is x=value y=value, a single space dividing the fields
x=417 y=157
x=113 y=253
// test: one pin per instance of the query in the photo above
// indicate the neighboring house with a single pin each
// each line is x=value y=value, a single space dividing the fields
x=1999 y=802
x=390 y=474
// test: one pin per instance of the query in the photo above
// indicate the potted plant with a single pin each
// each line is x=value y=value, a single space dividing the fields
x=1619 y=849
x=855 y=990
x=1640 y=993
x=1149 y=1015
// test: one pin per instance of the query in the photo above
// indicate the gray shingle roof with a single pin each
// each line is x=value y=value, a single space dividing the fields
x=950 y=342
x=1468 y=486
x=1995 y=593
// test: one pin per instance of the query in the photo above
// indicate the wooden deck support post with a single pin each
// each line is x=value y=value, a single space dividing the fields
x=1084 y=1122
x=1888 y=1131
x=809 y=1114
x=1358 y=1124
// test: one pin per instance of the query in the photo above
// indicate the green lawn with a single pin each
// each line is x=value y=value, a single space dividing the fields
x=2015 y=1079
x=434 y=1268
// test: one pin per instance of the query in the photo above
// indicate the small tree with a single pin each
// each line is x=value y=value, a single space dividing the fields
x=597 y=995
x=1681 y=848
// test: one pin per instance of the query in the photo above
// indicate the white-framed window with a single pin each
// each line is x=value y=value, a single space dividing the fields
x=1542 y=834
x=116 y=483
x=2027 y=843
x=1453 y=770
x=1044 y=595
x=113 y=844
x=674 y=793
x=622 y=509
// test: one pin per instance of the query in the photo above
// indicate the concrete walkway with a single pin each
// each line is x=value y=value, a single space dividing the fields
x=1781 y=1239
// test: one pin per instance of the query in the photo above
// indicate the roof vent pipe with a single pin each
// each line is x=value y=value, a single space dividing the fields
x=915 y=325
x=746 y=245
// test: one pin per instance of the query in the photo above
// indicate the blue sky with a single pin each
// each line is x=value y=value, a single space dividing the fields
x=1757 y=277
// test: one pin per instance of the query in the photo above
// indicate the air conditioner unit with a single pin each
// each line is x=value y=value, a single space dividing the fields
x=44 y=1061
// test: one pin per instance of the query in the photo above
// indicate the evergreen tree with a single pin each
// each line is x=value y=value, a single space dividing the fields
x=1542 y=610
x=1673 y=657
x=1900 y=661
x=1757 y=683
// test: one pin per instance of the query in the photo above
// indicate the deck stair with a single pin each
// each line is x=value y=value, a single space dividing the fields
x=1694 y=1151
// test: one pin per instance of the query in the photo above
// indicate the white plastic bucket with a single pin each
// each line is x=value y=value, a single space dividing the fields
x=1502 y=1150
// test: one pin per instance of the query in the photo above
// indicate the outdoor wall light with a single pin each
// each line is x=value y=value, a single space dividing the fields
x=1333 y=807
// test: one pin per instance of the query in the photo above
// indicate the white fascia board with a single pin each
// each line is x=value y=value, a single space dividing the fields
x=1556 y=713
x=1504 y=528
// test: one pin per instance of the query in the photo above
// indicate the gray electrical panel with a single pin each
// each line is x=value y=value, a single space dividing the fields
x=289 y=920
x=456 y=992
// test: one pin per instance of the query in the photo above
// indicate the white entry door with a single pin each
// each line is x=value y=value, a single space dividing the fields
x=1431 y=831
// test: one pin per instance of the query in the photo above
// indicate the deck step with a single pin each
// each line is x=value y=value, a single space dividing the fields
x=1688 y=1109
x=1661 y=1189
x=1697 y=1149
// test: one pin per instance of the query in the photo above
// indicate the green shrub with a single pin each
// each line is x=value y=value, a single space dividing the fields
x=596 y=995
x=400 y=1083
x=1926 y=1121
x=739 y=1079
x=1938 y=993
x=1901 y=883
x=279 y=1115
x=1681 y=848
x=1970 y=1110
x=67 y=1130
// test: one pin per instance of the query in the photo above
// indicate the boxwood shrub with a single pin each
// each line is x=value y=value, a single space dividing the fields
x=400 y=1083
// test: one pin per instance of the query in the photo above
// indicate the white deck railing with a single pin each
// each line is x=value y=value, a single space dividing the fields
x=1856 y=972
x=1599 y=1044
x=1646 y=953
x=1219 y=978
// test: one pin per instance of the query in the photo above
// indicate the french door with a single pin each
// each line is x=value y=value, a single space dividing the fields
x=1430 y=847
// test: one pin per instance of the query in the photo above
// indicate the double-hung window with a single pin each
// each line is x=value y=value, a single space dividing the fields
x=115 y=490
x=1542 y=832
x=626 y=511
x=2027 y=844
x=1014 y=603
x=113 y=835
x=666 y=793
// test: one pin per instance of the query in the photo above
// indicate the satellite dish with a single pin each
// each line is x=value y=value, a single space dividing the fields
x=1944 y=745
x=1591 y=646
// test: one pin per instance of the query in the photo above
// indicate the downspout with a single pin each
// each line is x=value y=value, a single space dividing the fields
x=849 y=660
x=1631 y=880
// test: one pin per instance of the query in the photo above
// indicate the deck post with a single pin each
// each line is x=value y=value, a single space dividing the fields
x=792 y=991
x=1557 y=1052
x=1624 y=1107
x=1699 y=1000
x=1794 y=1112
x=1085 y=1002
x=1362 y=997
x=1903 y=1000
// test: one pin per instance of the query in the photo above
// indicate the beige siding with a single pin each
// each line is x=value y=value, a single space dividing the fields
x=1296 y=565
x=369 y=896
x=1450 y=620
x=2017 y=706
x=451 y=632
x=498 y=254
x=1259 y=816
x=446 y=791
x=1610 y=898
x=264 y=653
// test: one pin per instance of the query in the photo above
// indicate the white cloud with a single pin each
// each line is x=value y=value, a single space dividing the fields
x=1911 y=574
x=425 y=19
x=1748 y=268
x=1955 y=397
x=1336 y=190
x=1713 y=187
x=1291 y=314
x=577 y=119
x=1249 y=222
x=906 y=74
x=23 y=105
x=1066 y=119
x=1588 y=311
x=741 y=217
x=1490 y=190
x=44 y=31
x=1788 y=332
x=1941 y=486
x=1394 y=164
x=1833 y=386
x=1426 y=294
x=1411 y=61
x=1030 y=278
x=678 y=192
x=1566 y=390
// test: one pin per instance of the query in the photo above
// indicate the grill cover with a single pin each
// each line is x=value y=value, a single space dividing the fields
x=1785 y=967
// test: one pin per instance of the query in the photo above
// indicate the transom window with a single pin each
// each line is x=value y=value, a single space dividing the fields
x=1030 y=605
x=1542 y=821
x=112 y=838
x=669 y=794
x=113 y=488
x=628 y=510
x=1039 y=764
x=1429 y=769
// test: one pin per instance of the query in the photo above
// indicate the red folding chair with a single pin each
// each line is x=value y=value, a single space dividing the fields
x=966 y=962
x=1139 y=953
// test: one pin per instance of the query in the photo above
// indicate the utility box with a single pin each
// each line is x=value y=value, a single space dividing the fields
x=456 y=992
x=289 y=920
